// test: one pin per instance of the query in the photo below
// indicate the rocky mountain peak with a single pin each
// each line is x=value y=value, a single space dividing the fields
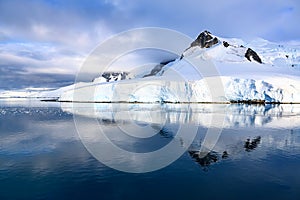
x=205 y=40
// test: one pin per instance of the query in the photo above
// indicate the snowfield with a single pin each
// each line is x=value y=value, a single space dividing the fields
x=259 y=71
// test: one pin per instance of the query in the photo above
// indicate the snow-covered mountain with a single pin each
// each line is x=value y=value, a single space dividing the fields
x=255 y=71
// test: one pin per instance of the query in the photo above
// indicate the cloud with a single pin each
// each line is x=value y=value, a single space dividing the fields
x=80 y=23
x=25 y=65
x=37 y=57
x=16 y=77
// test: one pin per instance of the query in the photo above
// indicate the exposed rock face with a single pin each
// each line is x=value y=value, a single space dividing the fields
x=158 y=68
x=225 y=44
x=252 y=55
x=155 y=70
x=114 y=76
x=205 y=40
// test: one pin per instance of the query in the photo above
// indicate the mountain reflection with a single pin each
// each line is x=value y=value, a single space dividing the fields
x=166 y=120
x=206 y=159
x=252 y=144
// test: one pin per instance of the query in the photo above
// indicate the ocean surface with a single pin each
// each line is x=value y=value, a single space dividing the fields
x=59 y=151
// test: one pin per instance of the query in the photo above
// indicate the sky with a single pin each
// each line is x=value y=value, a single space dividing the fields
x=44 y=42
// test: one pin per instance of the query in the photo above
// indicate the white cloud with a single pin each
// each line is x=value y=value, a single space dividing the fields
x=40 y=58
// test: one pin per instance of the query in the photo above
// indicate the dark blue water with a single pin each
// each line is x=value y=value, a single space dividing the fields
x=256 y=157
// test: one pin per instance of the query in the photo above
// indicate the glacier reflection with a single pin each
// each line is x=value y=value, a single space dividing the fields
x=235 y=115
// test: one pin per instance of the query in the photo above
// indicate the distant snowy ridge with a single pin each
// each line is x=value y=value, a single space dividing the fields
x=258 y=71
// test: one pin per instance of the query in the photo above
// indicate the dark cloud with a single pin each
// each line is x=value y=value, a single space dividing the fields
x=16 y=77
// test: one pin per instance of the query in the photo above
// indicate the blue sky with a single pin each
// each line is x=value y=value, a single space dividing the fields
x=53 y=37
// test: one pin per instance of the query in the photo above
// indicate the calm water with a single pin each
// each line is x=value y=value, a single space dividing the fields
x=257 y=155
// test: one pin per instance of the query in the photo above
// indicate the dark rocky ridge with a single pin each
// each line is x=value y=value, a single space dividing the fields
x=205 y=40
x=114 y=76
x=252 y=54
x=225 y=44
x=158 y=68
